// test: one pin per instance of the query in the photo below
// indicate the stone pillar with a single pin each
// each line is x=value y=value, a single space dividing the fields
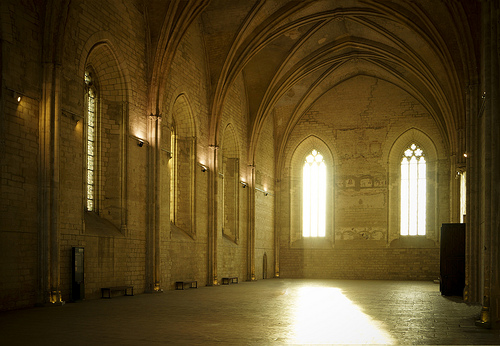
x=277 y=222
x=153 y=238
x=251 y=224
x=49 y=290
x=473 y=269
x=212 y=215
x=490 y=145
x=49 y=269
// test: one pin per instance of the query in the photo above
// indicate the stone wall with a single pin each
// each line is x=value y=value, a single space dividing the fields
x=19 y=158
x=359 y=123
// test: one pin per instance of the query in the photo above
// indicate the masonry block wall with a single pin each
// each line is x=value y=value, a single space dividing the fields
x=232 y=254
x=108 y=38
x=19 y=137
x=184 y=251
x=264 y=202
x=359 y=122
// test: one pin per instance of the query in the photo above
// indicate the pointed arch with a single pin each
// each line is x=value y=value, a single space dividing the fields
x=109 y=143
x=230 y=178
x=413 y=138
x=182 y=166
x=299 y=236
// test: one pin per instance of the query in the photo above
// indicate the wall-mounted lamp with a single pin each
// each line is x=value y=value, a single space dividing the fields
x=18 y=97
x=140 y=143
x=244 y=184
x=265 y=192
x=466 y=155
x=203 y=167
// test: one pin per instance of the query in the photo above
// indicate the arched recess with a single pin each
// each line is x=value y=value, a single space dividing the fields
x=229 y=178
x=110 y=140
x=435 y=189
x=182 y=166
x=295 y=169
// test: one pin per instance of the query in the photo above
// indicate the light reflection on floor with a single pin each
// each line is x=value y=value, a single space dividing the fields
x=323 y=315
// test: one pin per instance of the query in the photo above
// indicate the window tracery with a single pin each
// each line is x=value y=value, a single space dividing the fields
x=413 y=191
x=314 y=196
x=91 y=141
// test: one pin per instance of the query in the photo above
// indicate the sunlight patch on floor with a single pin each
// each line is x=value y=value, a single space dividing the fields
x=323 y=315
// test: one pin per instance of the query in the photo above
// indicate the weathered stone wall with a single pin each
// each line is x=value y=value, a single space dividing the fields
x=232 y=255
x=264 y=202
x=184 y=255
x=19 y=138
x=360 y=121
x=108 y=38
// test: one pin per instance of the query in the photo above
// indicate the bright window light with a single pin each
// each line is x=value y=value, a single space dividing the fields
x=413 y=191
x=463 y=196
x=91 y=142
x=314 y=196
x=324 y=315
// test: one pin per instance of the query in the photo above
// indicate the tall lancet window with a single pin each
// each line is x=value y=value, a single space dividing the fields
x=91 y=141
x=314 y=196
x=413 y=191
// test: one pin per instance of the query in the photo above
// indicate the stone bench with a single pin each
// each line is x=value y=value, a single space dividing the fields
x=125 y=289
x=179 y=285
x=230 y=280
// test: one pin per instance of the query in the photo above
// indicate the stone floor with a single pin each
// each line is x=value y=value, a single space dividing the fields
x=275 y=311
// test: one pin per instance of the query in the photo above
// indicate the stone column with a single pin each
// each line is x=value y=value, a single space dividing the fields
x=489 y=143
x=473 y=269
x=251 y=224
x=277 y=222
x=49 y=268
x=212 y=215
x=153 y=238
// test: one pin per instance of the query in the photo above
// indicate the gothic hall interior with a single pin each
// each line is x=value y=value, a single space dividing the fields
x=151 y=144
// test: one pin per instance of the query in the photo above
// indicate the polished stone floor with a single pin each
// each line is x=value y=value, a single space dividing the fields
x=274 y=311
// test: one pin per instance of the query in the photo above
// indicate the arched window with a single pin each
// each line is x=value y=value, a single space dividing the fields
x=173 y=175
x=230 y=168
x=91 y=130
x=182 y=168
x=413 y=191
x=314 y=196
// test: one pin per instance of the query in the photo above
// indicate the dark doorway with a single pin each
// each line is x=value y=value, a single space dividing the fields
x=452 y=259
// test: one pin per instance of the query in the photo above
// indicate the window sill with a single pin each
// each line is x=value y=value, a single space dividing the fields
x=413 y=241
x=312 y=243
x=96 y=225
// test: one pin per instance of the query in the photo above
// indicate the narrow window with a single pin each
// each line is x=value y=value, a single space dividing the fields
x=91 y=142
x=314 y=196
x=173 y=175
x=463 y=196
x=413 y=191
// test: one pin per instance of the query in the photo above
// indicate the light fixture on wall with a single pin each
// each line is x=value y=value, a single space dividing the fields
x=466 y=155
x=265 y=192
x=244 y=184
x=140 y=143
x=203 y=167
x=17 y=96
